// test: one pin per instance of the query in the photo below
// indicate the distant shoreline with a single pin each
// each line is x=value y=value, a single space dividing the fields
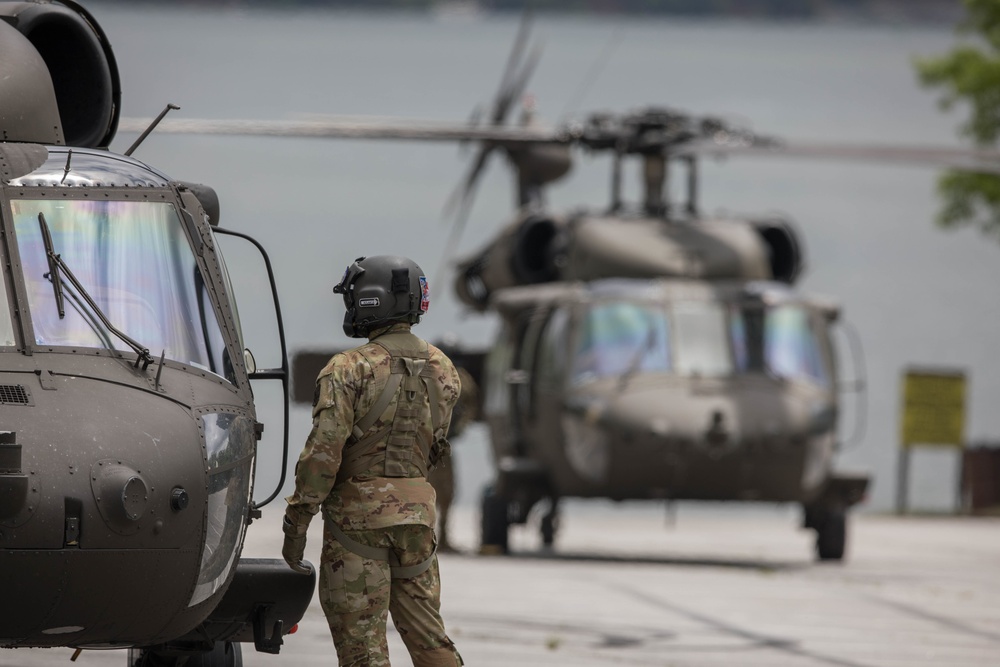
x=936 y=12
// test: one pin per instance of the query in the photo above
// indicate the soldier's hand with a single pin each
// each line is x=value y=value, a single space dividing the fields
x=294 y=548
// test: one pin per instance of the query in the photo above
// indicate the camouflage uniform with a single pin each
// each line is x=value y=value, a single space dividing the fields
x=442 y=477
x=387 y=505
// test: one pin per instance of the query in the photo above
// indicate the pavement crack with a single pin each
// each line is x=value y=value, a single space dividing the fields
x=944 y=621
x=757 y=639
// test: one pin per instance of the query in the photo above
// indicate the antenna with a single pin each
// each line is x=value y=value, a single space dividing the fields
x=152 y=126
x=159 y=369
x=69 y=160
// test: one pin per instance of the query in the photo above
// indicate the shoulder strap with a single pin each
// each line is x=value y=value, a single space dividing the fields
x=434 y=390
x=396 y=372
x=378 y=407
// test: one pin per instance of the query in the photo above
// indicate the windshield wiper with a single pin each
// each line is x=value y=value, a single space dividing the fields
x=53 y=266
x=56 y=264
x=638 y=357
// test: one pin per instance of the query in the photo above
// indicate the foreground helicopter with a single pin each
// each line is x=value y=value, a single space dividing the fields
x=645 y=351
x=128 y=431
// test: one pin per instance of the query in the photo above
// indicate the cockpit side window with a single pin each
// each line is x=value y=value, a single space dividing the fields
x=785 y=341
x=134 y=259
x=792 y=347
x=232 y=295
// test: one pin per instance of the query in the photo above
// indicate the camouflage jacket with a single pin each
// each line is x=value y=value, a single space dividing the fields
x=346 y=389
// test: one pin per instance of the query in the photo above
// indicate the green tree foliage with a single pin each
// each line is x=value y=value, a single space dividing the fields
x=970 y=73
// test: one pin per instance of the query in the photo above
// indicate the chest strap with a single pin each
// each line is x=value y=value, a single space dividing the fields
x=380 y=553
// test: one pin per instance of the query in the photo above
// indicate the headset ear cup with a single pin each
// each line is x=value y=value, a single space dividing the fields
x=349 y=329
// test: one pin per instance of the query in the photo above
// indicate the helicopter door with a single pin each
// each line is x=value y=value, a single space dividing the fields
x=539 y=396
x=545 y=392
x=518 y=378
x=497 y=393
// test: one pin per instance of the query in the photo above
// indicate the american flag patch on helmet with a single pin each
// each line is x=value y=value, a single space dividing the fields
x=425 y=294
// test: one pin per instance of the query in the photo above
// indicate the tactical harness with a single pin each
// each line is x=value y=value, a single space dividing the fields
x=410 y=382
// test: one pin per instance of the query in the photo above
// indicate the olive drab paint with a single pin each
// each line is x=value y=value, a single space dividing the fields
x=128 y=429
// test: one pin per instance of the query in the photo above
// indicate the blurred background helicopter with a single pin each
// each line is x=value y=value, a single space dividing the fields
x=128 y=428
x=645 y=350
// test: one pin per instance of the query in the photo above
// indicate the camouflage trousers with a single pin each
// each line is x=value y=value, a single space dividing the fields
x=357 y=595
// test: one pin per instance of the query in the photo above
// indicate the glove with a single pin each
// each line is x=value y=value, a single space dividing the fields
x=294 y=548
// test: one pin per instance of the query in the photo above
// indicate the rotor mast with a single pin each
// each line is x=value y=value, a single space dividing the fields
x=651 y=134
x=654 y=171
x=659 y=136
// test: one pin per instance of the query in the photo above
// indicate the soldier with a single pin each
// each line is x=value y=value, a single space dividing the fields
x=380 y=417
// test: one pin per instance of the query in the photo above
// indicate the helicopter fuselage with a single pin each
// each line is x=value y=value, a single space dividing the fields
x=128 y=432
x=671 y=389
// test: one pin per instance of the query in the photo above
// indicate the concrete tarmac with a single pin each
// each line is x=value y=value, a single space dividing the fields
x=713 y=589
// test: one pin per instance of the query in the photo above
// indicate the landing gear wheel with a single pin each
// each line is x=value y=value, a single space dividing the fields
x=141 y=658
x=831 y=535
x=495 y=523
x=550 y=524
x=223 y=654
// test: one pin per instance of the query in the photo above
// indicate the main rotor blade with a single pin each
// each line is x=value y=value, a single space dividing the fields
x=984 y=161
x=512 y=83
x=464 y=191
x=341 y=127
x=454 y=235
x=499 y=111
x=517 y=85
x=345 y=127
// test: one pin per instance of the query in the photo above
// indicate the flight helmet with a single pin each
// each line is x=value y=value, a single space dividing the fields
x=380 y=290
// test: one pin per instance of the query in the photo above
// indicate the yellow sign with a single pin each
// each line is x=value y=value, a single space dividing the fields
x=933 y=408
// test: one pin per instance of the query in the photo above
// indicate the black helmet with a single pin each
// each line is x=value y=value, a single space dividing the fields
x=380 y=290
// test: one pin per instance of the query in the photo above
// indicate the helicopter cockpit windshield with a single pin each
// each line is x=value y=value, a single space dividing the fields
x=698 y=338
x=621 y=337
x=782 y=340
x=135 y=261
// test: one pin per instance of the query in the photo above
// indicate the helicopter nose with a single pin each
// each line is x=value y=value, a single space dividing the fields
x=699 y=438
x=668 y=415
